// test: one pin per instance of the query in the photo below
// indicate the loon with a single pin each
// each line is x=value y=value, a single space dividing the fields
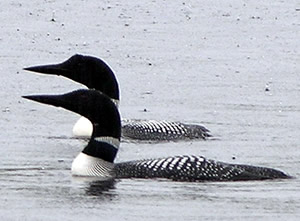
x=97 y=157
x=96 y=74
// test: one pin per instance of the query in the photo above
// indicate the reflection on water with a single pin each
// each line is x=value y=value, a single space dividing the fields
x=101 y=188
x=94 y=186
x=66 y=138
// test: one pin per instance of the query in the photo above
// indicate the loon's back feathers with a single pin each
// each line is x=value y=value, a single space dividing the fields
x=96 y=74
x=194 y=168
x=162 y=130
x=97 y=158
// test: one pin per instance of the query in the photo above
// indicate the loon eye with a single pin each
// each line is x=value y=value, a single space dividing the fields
x=84 y=97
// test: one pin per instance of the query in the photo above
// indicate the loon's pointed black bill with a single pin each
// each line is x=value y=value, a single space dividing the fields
x=53 y=69
x=83 y=102
x=55 y=100
x=79 y=101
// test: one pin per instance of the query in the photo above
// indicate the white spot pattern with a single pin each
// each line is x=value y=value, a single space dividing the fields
x=162 y=130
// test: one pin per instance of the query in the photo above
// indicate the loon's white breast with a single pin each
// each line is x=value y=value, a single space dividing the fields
x=85 y=165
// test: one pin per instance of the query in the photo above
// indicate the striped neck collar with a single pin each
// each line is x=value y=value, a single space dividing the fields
x=110 y=140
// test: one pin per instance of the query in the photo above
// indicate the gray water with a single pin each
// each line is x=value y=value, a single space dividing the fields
x=232 y=66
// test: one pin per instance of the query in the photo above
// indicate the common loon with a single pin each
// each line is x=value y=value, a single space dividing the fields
x=96 y=74
x=97 y=158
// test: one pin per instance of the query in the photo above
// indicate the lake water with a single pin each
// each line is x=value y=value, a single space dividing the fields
x=229 y=65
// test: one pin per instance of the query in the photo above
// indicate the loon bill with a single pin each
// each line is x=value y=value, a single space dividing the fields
x=96 y=74
x=97 y=157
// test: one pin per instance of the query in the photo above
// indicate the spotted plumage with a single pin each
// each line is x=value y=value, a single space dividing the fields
x=162 y=130
x=193 y=168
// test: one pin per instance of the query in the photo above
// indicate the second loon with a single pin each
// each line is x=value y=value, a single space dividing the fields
x=97 y=158
x=96 y=74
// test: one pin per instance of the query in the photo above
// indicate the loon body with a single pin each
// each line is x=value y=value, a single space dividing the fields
x=163 y=130
x=97 y=158
x=96 y=74
x=194 y=168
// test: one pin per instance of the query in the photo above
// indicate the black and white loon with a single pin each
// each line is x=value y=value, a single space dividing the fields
x=97 y=158
x=96 y=74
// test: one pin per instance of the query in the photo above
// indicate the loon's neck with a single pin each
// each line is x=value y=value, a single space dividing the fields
x=105 y=148
x=84 y=128
x=97 y=158
x=105 y=82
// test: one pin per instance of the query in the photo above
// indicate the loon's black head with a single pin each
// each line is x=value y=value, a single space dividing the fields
x=92 y=104
x=87 y=70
